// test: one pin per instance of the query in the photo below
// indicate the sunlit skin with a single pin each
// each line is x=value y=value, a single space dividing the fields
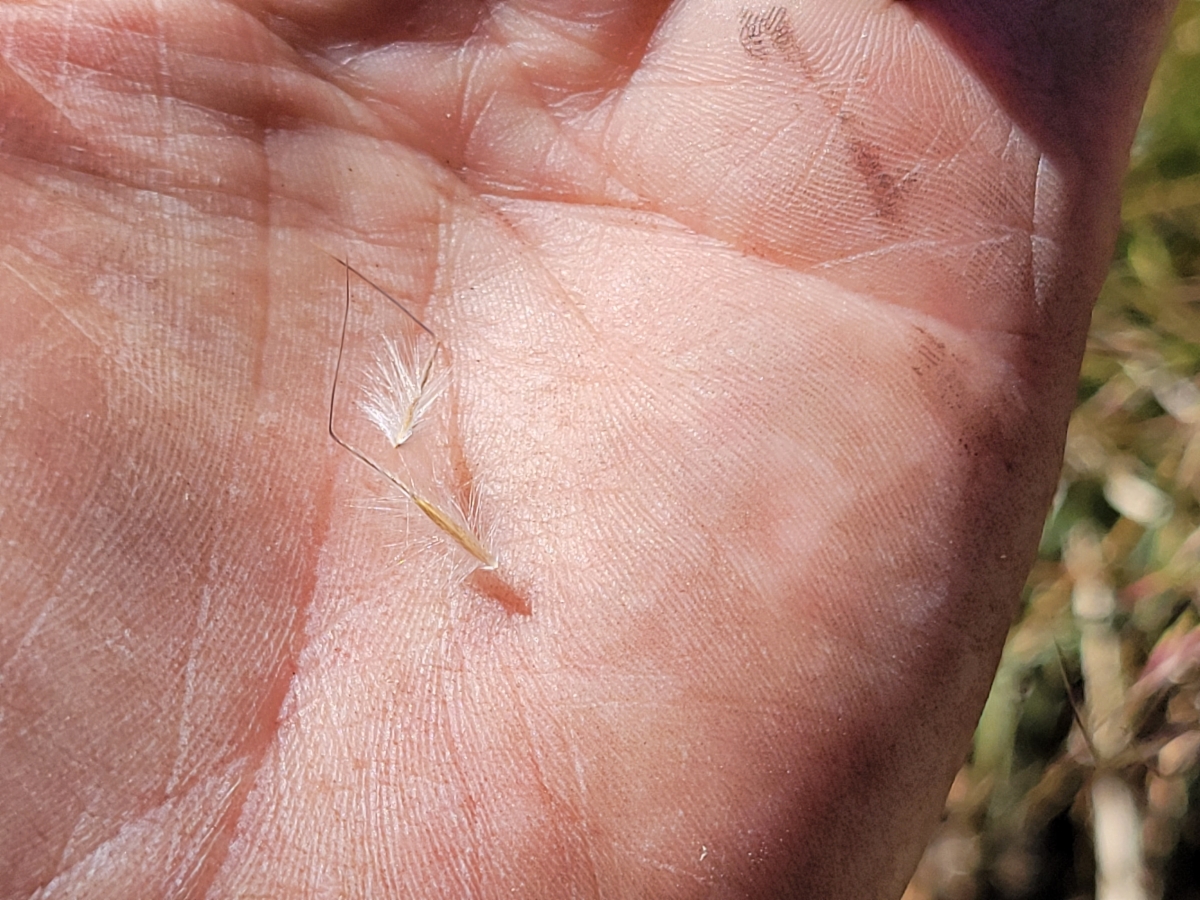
x=763 y=324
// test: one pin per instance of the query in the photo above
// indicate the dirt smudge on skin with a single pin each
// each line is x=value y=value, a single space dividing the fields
x=930 y=351
x=885 y=188
x=767 y=33
x=1008 y=448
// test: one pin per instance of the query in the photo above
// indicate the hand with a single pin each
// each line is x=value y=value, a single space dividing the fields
x=764 y=323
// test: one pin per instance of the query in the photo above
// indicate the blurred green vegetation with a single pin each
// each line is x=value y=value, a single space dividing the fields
x=1083 y=779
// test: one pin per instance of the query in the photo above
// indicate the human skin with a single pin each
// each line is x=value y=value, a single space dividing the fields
x=764 y=324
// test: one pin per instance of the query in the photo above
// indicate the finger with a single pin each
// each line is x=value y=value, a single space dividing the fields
x=494 y=105
x=586 y=45
x=882 y=157
x=1074 y=76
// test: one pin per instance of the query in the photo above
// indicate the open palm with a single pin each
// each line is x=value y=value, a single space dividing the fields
x=763 y=324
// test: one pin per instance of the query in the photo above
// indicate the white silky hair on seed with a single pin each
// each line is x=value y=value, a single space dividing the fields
x=466 y=552
x=401 y=388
